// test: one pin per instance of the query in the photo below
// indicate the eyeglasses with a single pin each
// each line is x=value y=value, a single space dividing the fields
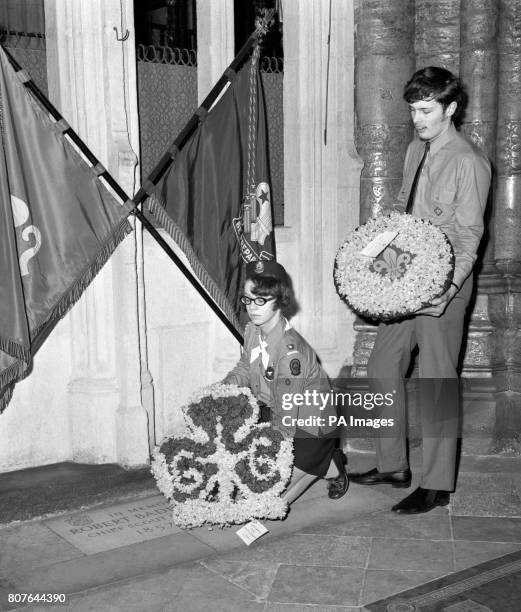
x=259 y=301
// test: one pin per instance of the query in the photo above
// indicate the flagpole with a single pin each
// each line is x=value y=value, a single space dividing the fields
x=161 y=167
x=165 y=161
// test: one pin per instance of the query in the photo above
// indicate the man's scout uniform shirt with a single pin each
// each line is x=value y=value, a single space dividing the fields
x=451 y=193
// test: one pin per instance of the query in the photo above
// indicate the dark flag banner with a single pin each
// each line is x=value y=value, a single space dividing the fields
x=58 y=225
x=215 y=199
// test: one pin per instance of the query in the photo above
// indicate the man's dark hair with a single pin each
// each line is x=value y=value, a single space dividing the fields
x=265 y=285
x=433 y=83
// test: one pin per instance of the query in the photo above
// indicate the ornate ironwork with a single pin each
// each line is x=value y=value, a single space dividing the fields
x=166 y=55
x=22 y=40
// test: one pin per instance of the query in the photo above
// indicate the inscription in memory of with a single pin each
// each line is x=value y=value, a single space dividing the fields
x=101 y=529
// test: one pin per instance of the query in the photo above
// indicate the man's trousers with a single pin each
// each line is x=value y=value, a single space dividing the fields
x=439 y=342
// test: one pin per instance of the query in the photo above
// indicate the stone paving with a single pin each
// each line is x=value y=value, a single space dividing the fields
x=326 y=556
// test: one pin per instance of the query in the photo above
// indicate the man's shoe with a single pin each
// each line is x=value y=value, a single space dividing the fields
x=338 y=486
x=422 y=500
x=400 y=479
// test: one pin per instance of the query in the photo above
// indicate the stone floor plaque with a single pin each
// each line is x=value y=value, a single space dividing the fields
x=100 y=529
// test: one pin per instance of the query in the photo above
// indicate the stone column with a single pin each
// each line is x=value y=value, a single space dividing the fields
x=478 y=71
x=92 y=82
x=321 y=168
x=215 y=51
x=384 y=62
x=437 y=36
x=506 y=306
x=215 y=42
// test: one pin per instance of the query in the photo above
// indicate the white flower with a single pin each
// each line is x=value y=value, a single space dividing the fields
x=214 y=472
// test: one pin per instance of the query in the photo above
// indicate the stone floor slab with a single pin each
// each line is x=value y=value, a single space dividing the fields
x=29 y=545
x=99 y=529
x=285 y=607
x=303 y=549
x=256 y=578
x=186 y=588
x=468 y=554
x=382 y=583
x=384 y=524
x=429 y=555
x=93 y=570
x=502 y=498
x=324 y=586
x=487 y=529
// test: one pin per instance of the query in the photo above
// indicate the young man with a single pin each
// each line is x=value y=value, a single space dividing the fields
x=446 y=181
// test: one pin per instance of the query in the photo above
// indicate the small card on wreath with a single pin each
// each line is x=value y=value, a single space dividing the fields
x=376 y=246
x=251 y=531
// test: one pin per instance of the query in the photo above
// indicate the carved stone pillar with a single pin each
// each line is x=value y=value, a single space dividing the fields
x=215 y=51
x=438 y=34
x=384 y=61
x=384 y=53
x=478 y=71
x=321 y=168
x=505 y=307
x=92 y=82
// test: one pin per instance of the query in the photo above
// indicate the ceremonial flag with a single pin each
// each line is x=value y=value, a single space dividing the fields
x=58 y=225
x=215 y=199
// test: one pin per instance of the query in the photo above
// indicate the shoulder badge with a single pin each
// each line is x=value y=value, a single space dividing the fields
x=294 y=367
x=269 y=374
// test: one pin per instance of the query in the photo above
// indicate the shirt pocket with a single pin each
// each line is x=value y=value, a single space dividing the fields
x=442 y=205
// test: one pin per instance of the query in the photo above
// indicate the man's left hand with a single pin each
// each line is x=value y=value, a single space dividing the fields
x=438 y=305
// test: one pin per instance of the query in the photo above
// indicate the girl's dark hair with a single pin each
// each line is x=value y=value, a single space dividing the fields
x=433 y=83
x=266 y=285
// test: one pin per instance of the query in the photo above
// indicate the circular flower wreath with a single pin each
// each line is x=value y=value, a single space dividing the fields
x=414 y=268
x=226 y=468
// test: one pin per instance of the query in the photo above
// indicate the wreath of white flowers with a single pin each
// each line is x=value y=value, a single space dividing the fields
x=225 y=468
x=414 y=268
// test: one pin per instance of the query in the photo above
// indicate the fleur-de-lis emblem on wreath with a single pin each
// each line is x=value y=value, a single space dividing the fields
x=392 y=262
x=227 y=468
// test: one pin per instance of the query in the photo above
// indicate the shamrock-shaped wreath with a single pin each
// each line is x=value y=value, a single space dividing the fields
x=227 y=468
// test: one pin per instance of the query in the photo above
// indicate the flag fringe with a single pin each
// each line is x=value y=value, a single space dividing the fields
x=17 y=371
x=74 y=293
x=20 y=369
x=11 y=375
x=5 y=397
x=15 y=349
x=156 y=209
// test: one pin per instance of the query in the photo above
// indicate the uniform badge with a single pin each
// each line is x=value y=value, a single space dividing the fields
x=269 y=374
x=290 y=347
x=294 y=367
x=438 y=211
x=259 y=267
